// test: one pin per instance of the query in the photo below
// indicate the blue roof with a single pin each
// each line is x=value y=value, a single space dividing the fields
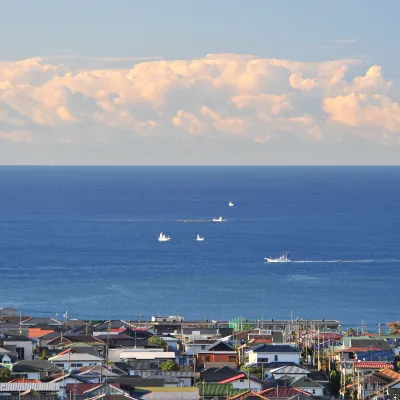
x=279 y=348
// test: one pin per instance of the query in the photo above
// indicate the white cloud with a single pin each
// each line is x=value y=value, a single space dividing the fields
x=220 y=95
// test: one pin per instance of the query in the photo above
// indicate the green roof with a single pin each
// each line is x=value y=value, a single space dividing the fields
x=305 y=382
x=218 y=389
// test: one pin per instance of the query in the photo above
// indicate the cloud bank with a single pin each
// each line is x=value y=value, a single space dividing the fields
x=220 y=96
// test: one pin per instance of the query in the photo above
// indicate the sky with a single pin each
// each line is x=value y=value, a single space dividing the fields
x=211 y=82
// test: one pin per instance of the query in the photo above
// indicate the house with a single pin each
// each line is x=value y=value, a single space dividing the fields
x=285 y=393
x=190 y=334
x=243 y=381
x=215 y=391
x=8 y=355
x=98 y=374
x=68 y=359
x=216 y=375
x=23 y=345
x=247 y=395
x=184 y=378
x=211 y=358
x=289 y=372
x=308 y=385
x=70 y=340
x=268 y=353
x=375 y=381
x=364 y=367
x=94 y=390
x=35 y=369
x=155 y=356
x=65 y=379
x=167 y=393
x=44 y=390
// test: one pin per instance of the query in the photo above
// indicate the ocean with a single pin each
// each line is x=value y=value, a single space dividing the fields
x=84 y=239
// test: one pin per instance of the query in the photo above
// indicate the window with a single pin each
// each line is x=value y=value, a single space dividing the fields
x=203 y=347
x=313 y=391
x=60 y=365
x=76 y=365
x=92 y=364
x=207 y=358
x=276 y=358
x=242 y=380
x=232 y=358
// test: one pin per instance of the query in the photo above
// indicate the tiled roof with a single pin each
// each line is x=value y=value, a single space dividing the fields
x=387 y=373
x=218 y=390
x=278 y=348
x=81 y=388
x=24 y=380
x=234 y=378
x=35 y=366
x=358 y=349
x=23 y=387
x=283 y=392
x=305 y=382
x=290 y=369
x=372 y=365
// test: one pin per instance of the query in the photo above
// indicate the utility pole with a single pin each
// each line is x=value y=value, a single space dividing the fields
x=379 y=328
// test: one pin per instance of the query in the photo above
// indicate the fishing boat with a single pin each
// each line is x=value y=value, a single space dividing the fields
x=219 y=219
x=199 y=238
x=230 y=204
x=163 y=238
x=282 y=259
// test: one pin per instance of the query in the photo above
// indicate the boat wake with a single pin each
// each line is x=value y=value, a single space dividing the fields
x=346 y=261
x=196 y=221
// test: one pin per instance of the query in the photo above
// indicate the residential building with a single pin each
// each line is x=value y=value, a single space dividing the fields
x=273 y=353
x=308 y=385
x=69 y=360
x=35 y=369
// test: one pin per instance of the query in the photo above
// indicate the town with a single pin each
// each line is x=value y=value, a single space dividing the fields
x=169 y=357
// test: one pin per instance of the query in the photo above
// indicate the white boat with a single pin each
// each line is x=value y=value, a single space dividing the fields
x=163 y=238
x=230 y=204
x=282 y=259
x=199 y=238
x=219 y=219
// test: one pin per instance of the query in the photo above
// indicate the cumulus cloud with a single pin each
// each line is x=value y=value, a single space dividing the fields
x=219 y=95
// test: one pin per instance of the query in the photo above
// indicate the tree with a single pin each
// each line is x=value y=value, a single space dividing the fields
x=4 y=374
x=158 y=341
x=169 y=366
x=256 y=371
x=350 y=332
x=334 y=378
x=394 y=327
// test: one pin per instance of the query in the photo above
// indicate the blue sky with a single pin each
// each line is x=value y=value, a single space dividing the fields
x=69 y=38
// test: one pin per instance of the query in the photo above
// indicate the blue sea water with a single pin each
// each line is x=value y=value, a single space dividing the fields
x=84 y=239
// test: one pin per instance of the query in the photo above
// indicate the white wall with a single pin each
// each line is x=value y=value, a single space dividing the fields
x=27 y=345
x=244 y=384
x=73 y=364
x=317 y=392
x=282 y=357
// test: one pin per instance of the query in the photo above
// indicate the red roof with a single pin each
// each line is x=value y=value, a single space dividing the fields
x=234 y=378
x=282 y=392
x=329 y=336
x=373 y=365
x=80 y=388
x=24 y=380
x=358 y=349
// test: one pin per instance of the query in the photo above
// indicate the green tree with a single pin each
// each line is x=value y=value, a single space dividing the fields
x=4 y=374
x=334 y=378
x=169 y=366
x=158 y=341
x=394 y=327
x=256 y=371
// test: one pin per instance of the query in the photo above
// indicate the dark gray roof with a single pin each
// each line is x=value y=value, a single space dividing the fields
x=218 y=374
x=14 y=338
x=37 y=321
x=278 y=348
x=305 y=382
x=277 y=364
x=35 y=366
x=135 y=381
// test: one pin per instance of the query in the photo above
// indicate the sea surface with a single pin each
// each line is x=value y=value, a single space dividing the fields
x=84 y=239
